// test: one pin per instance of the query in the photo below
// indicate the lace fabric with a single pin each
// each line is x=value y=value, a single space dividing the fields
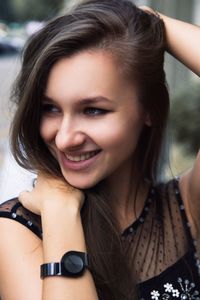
x=159 y=240
x=13 y=210
x=162 y=249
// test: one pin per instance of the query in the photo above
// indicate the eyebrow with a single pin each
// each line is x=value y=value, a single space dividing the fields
x=84 y=101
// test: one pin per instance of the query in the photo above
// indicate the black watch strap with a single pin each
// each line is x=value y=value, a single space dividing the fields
x=50 y=269
x=60 y=268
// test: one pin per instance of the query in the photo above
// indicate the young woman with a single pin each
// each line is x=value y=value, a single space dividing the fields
x=92 y=112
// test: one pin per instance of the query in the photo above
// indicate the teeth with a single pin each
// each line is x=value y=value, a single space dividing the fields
x=81 y=157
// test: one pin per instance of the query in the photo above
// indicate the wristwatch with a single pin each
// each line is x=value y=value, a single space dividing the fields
x=72 y=264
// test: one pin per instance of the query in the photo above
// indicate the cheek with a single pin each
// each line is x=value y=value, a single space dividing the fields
x=48 y=130
x=118 y=134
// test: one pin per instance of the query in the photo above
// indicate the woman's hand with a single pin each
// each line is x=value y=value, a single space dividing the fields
x=149 y=10
x=51 y=192
x=183 y=40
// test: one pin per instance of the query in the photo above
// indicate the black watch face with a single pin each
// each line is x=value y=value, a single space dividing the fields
x=73 y=264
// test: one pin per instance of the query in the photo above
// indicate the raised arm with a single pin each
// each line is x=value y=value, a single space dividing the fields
x=183 y=42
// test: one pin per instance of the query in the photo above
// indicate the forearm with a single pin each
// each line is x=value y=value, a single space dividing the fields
x=62 y=232
x=183 y=42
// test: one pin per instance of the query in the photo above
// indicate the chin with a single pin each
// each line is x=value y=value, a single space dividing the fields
x=81 y=184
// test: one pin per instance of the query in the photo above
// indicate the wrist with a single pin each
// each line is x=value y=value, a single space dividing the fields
x=62 y=232
x=57 y=218
x=60 y=205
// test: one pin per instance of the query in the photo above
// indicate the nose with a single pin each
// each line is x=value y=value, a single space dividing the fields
x=69 y=136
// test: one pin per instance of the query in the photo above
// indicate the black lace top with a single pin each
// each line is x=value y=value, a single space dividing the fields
x=164 y=255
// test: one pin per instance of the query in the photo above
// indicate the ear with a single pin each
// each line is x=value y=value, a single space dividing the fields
x=147 y=120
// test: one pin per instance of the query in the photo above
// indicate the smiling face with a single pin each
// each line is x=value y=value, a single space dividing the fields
x=91 y=119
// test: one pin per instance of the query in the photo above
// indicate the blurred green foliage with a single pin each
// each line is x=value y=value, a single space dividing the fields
x=185 y=117
x=24 y=10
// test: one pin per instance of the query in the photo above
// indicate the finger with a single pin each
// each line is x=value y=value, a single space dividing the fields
x=28 y=201
x=44 y=175
x=45 y=179
x=146 y=8
x=149 y=10
x=23 y=196
x=34 y=182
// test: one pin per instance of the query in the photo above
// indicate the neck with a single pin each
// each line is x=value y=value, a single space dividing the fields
x=127 y=197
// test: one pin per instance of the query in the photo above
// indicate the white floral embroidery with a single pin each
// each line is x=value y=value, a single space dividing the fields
x=155 y=295
x=175 y=293
x=168 y=287
x=186 y=290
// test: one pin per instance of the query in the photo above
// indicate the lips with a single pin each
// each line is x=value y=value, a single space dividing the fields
x=79 y=161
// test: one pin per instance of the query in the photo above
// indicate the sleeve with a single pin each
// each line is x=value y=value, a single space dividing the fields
x=13 y=209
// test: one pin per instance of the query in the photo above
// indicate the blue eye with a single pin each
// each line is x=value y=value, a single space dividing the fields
x=93 y=111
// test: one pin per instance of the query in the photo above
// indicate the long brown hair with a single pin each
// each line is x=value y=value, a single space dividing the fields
x=137 y=42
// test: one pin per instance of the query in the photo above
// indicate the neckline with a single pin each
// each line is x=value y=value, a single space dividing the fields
x=141 y=218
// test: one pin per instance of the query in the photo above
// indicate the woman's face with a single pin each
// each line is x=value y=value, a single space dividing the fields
x=91 y=119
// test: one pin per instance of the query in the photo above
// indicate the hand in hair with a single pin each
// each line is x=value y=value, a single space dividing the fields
x=183 y=40
x=149 y=10
x=51 y=191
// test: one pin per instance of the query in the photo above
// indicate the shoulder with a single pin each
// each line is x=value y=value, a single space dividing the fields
x=13 y=210
x=190 y=191
x=20 y=253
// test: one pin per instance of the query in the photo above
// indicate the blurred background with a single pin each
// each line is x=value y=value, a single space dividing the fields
x=19 y=19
